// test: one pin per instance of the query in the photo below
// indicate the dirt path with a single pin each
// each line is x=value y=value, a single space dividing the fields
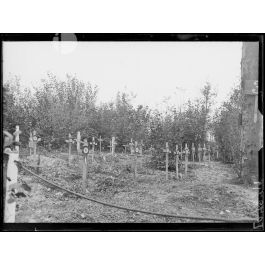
x=207 y=191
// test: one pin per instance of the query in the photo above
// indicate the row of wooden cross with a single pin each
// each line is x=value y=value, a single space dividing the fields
x=179 y=154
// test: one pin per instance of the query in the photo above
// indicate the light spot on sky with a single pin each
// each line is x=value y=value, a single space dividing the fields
x=156 y=72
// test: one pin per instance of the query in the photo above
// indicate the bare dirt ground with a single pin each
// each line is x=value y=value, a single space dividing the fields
x=210 y=189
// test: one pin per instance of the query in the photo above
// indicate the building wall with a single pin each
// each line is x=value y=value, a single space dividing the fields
x=251 y=131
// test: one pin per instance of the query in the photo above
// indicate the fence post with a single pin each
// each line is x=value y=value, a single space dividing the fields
x=10 y=180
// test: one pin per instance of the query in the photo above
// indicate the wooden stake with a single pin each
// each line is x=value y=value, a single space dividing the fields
x=167 y=151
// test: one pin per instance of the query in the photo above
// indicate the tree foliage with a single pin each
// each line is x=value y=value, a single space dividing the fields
x=58 y=107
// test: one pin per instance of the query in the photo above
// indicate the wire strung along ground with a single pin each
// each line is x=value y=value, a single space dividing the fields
x=131 y=209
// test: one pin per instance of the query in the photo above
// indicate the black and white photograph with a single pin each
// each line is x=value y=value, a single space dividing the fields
x=132 y=129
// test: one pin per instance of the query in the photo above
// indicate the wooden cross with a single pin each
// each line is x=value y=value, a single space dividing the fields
x=199 y=152
x=100 y=141
x=93 y=143
x=209 y=153
x=16 y=134
x=181 y=151
x=78 y=141
x=31 y=144
x=69 y=141
x=85 y=153
x=167 y=151
x=35 y=142
x=141 y=147
x=217 y=152
x=177 y=161
x=252 y=90
x=136 y=153
x=186 y=151
x=193 y=152
x=204 y=152
x=110 y=146
x=131 y=146
x=113 y=143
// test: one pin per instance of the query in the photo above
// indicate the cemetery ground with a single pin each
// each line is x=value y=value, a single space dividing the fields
x=211 y=189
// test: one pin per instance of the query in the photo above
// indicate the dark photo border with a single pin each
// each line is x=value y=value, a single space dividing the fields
x=153 y=37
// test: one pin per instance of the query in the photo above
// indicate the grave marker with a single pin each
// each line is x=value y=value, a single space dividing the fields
x=204 y=152
x=177 y=161
x=113 y=144
x=100 y=141
x=93 y=143
x=110 y=146
x=193 y=152
x=69 y=141
x=136 y=154
x=31 y=144
x=131 y=146
x=199 y=153
x=35 y=143
x=85 y=154
x=78 y=141
x=209 y=153
x=181 y=151
x=186 y=151
x=167 y=151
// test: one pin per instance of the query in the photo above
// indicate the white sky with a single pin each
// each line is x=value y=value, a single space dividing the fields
x=151 y=70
